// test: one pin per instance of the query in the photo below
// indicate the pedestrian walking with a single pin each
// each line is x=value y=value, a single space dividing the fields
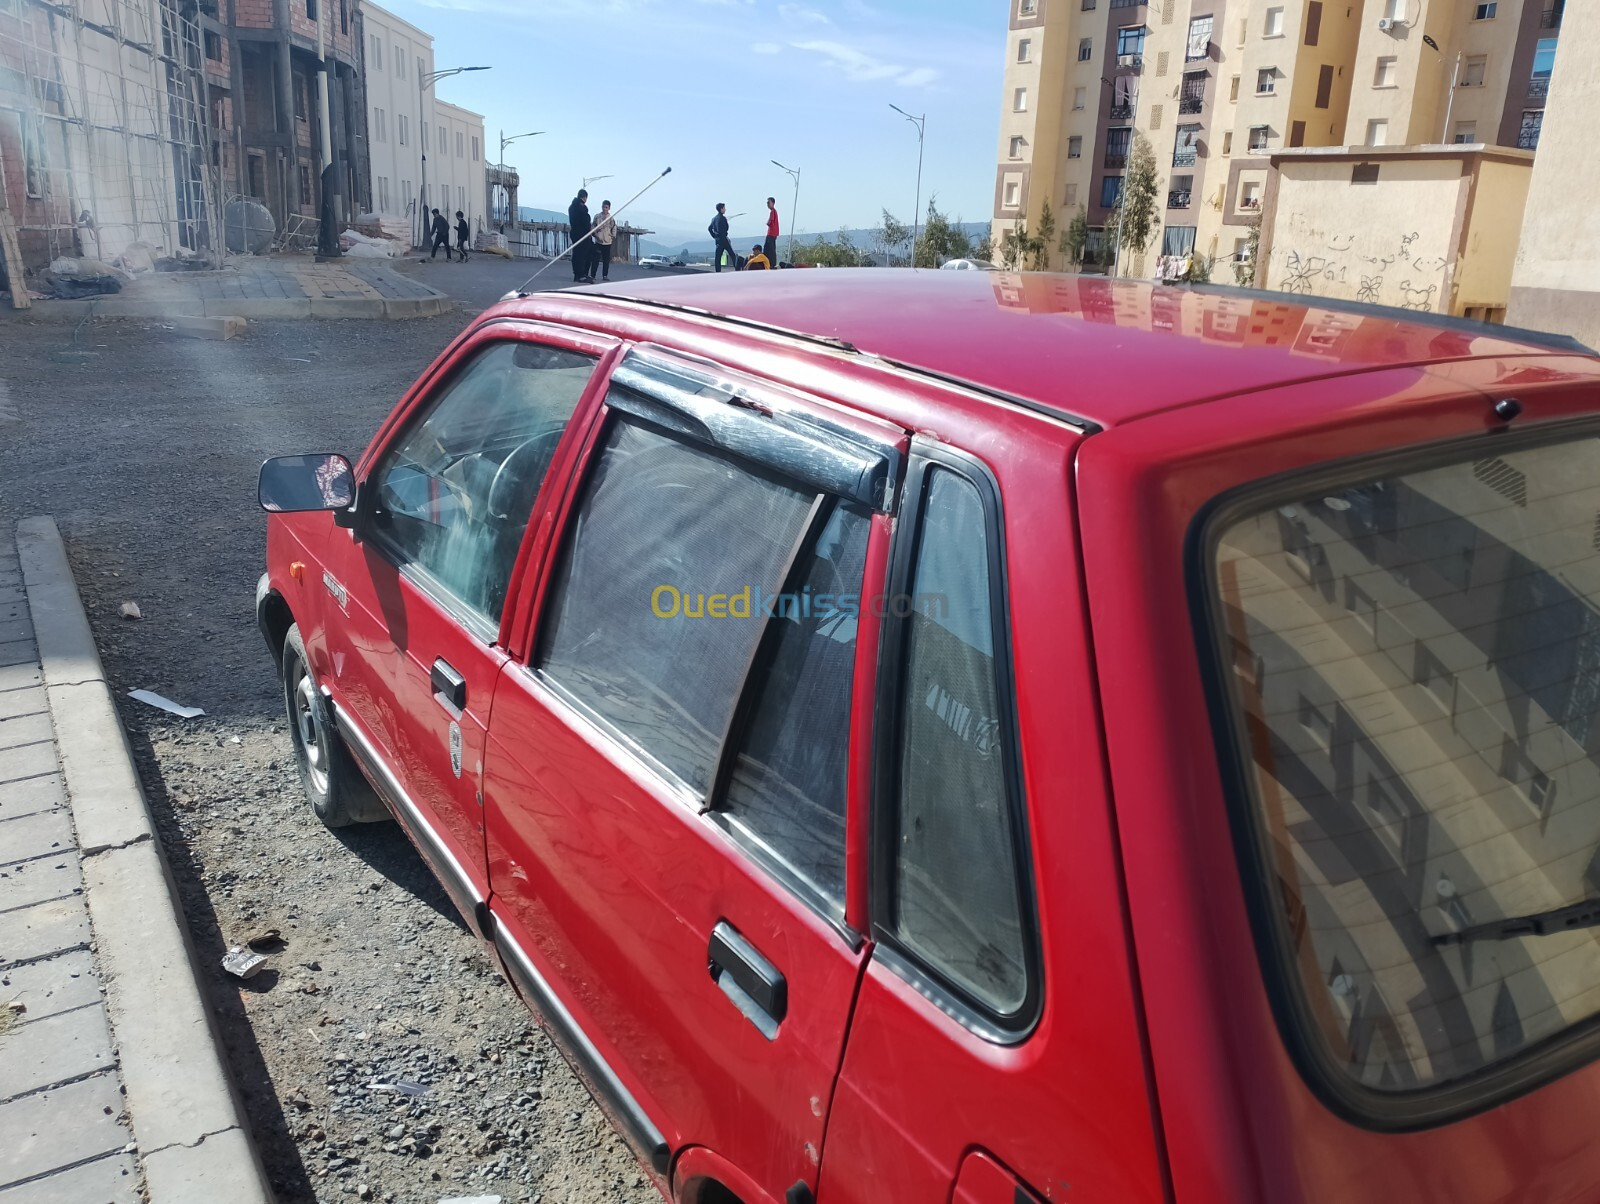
x=718 y=229
x=770 y=247
x=463 y=235
x=758 y=261
x=439 y=231
x=578 y=225
x=605 y=234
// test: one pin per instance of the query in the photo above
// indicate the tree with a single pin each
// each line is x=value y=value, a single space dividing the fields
x=1076 y=237
x=1013 y=244
x=1139 y=205
x=839 y=252
x=984 y=251
x=891 y=235
x=941 y=239
x=1039 y=244
x=1244 y=266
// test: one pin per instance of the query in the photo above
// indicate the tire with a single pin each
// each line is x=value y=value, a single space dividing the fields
x=339 y=794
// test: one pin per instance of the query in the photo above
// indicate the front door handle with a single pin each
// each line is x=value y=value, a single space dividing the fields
x=754 y=985
x=449 y=687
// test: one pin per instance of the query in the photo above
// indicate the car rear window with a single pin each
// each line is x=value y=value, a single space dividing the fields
x=1413 y=670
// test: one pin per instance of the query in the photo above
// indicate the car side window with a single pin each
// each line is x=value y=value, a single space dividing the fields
x=655 y=609
x=955 y=897
x=454 y=493
x=787 y=784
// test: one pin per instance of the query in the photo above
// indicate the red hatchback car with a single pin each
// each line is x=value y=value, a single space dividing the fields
x=987 y=738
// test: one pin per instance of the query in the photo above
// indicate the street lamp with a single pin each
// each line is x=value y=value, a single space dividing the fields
x=505 y=142
x=916 y=216
x=794 y=172
x=501 y=162
x=425 y=80
x=1455 y=74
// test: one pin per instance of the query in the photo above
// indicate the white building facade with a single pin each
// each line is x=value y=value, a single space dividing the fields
x=405 y=122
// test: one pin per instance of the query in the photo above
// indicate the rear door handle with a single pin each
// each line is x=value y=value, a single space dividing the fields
x=449 y=687
x=754 y=985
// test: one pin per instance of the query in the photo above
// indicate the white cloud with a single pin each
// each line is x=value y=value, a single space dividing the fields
x=863 y=68
x=799 y=14
x=767 y=48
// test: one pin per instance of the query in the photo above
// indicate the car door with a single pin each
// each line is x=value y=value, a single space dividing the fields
x=443 y=506
x=668 y=788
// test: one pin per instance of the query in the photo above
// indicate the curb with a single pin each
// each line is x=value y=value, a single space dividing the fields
x=193 y=1144
x=261 y=309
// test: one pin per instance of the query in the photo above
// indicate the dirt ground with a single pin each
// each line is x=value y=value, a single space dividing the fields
x=380 y=1054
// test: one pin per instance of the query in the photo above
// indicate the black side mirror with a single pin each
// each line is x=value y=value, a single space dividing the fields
x=295 y=484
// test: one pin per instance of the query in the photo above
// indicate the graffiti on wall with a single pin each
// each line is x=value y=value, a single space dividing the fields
x=1386 y=270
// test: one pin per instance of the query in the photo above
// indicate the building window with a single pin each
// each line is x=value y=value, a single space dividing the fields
x=1250 y=195
x=1192 y=94
x=1260 y=135
x=1484 y=12
x=1227 y=142
x=444 y=141
x=1313 y=22
x=1528 y=132
x=405 y=193
x=476 y=148
x=1130 y=41
x=1241 y=250
x=1324 y=85
x=1472 y=72
x=380 y=132
x=1544 y=58
x=1377 y=132
x=1110 y=191
x=1088 y=6
x=1013 y=189
x=1387 y=72
x=461 y=196
x=344 y=16
x=1178 y=240
x=1075 y=147
x=1266 y=81
x=1273 y=27
x=311 y=10
x=1025 y=50
x=1019 y=100
x=1027 y=7
x=1118 y=140
x=1364 y=173
x=402 y=131
x=377 y=52
x=383 y=194
x=213 y=46
x=1178 y=194
x=1297 y=133
x=1233 y=90
x=1186 y=146
x=1072 y=195
x=1017 y=143
x=1199 y=46
x=461 y=145
x=1466 y=131
x=1079 y=97
x=1518 y=768
x=1085 y=49
x=305 y=185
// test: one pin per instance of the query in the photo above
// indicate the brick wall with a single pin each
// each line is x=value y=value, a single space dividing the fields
x=253 y=14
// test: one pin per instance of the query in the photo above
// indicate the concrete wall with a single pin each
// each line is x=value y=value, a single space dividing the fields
x=1556 y=280
x=395 y=53
x=1489 y=242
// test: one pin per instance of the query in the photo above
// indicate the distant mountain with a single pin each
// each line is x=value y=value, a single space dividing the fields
x=669 y=228
x=529 y=214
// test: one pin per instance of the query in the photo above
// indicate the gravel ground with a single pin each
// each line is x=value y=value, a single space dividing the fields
x=146 y=453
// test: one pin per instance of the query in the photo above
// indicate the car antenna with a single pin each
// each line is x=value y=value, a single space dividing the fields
x=523 y=290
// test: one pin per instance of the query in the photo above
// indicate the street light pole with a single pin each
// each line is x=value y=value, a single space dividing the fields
x=501 y=162
x=794 y=173
x=916 y=215
x=425 y=80
x=328 y=218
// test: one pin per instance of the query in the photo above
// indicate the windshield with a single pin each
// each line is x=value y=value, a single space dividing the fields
x=1416 y=674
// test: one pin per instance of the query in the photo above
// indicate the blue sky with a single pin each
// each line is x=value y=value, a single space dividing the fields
x=717 y=88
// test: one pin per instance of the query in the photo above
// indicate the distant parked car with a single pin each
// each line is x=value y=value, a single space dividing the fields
x=969 y=265
x=655 y=261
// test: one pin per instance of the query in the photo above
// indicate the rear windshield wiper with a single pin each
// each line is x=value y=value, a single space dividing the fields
x=1583 y=914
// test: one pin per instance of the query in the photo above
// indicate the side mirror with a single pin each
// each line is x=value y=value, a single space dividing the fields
x=295 y=484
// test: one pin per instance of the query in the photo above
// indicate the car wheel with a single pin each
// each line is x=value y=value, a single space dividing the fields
x=339 y=794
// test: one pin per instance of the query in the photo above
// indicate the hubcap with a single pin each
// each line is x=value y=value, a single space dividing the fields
x=313 y=740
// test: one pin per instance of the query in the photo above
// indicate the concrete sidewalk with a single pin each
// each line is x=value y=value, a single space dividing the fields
x=112 y=1086
x=259 y=287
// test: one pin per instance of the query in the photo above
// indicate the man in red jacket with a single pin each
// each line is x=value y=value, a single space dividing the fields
x=770 y=247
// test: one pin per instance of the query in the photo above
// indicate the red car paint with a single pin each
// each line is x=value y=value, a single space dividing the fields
x=1109 y=415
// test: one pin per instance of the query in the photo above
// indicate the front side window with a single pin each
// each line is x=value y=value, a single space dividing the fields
x=1412 y=664
x=1199 y=46
x=957 y=901
x=1110 y=191
x=454 y=494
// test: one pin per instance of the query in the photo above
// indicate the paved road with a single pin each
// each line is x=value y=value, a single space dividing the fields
x=484 y=279
x=146 y=453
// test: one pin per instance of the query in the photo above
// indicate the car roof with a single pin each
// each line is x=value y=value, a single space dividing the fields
x=1106 y=351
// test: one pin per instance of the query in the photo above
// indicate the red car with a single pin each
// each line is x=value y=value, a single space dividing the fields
x=988 y=738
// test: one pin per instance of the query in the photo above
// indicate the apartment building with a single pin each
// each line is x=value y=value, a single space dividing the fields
x=407 y=122
x=1217 y=86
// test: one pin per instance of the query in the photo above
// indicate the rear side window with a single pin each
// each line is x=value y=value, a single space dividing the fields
x=455 y=491
x=956 y=902
x=1413 y=667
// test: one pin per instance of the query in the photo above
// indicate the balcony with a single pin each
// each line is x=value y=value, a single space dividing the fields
x=1184 y=156
x=1116 y=160
x=1130 y=62
x=1178 y=199
x=1123 y=111
x=1191 y=104
x=1539 y=87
